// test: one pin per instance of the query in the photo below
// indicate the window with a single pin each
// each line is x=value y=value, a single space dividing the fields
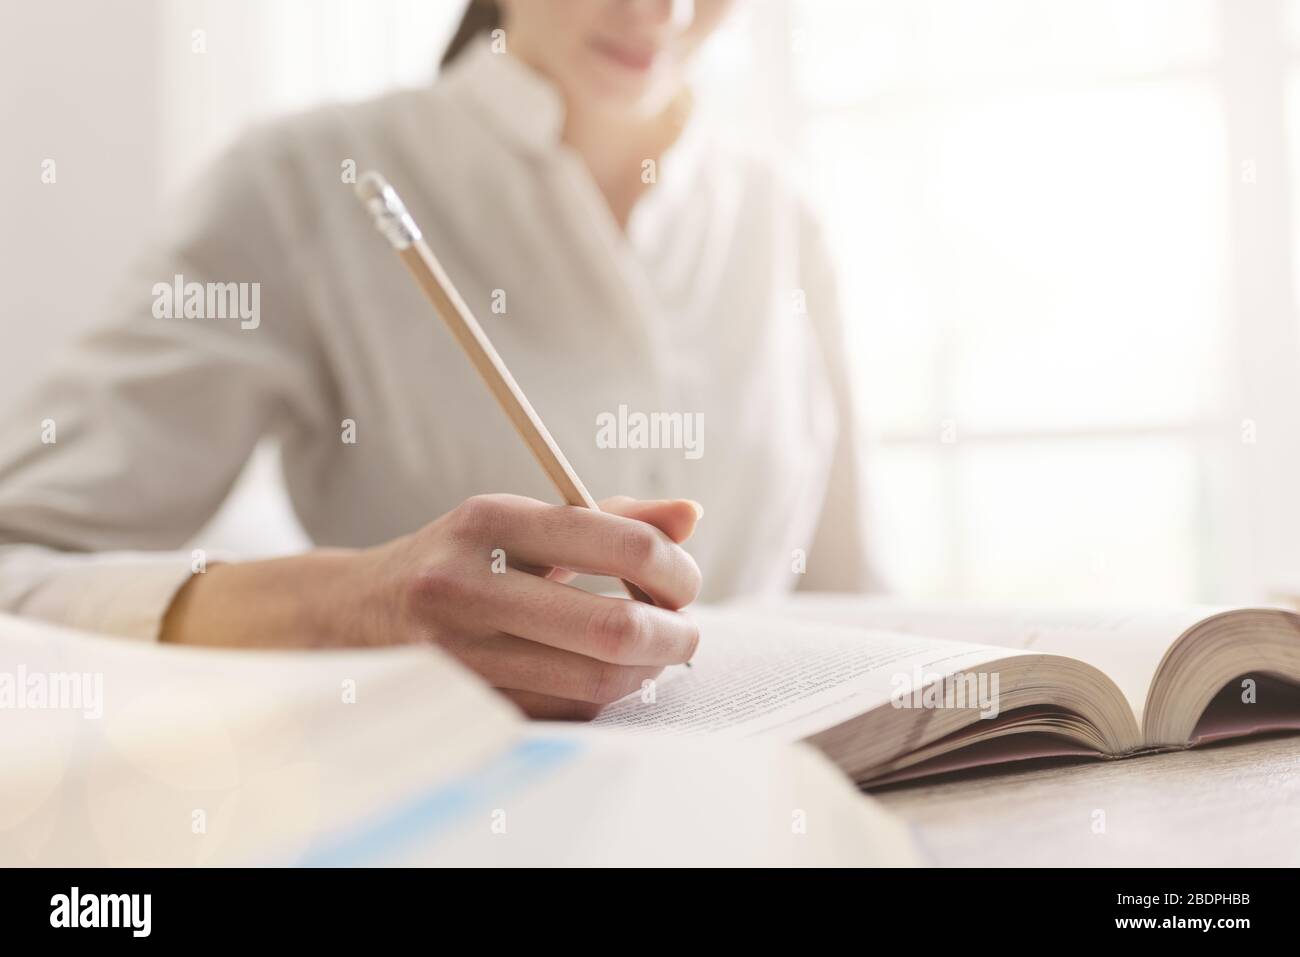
x=1058 y=226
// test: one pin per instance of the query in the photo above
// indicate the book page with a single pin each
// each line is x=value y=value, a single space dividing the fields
x=1126 y=645
x=777 y=676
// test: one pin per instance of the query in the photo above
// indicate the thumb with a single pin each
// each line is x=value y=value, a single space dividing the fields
x=675 y=517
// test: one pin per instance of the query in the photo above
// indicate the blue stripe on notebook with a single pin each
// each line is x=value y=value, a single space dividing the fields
x=387 y=834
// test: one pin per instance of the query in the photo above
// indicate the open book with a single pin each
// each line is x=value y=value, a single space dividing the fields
x=120 y=753
x=890 y=691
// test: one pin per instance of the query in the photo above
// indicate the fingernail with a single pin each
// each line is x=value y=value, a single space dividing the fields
x=699 y=509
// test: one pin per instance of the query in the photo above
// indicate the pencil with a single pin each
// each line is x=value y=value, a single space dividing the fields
x=393 y=220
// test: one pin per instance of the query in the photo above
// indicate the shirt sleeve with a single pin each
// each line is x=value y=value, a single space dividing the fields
x=841 y=556
x=123 y=452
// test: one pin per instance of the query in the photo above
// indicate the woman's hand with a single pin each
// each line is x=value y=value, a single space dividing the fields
x=486 y=582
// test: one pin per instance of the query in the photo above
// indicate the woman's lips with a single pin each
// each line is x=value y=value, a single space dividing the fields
x=637 y=58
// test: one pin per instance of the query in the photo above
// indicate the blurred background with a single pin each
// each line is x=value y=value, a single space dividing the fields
x=1066 y=231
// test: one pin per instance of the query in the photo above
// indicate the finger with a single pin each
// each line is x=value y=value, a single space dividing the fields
x=675 y=517
x=598 y=543
x=545 y=708
x=517 y=664
x=608 y=629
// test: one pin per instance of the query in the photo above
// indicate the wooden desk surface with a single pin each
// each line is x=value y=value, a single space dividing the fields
x=1233 y=804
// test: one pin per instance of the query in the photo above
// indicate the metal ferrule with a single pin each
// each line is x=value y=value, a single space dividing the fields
x=391 y=217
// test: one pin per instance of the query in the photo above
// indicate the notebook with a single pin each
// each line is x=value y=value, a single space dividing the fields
x=120 y=753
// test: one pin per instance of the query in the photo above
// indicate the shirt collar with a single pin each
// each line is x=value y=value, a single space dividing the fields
x=526 y=107
x=523 y=105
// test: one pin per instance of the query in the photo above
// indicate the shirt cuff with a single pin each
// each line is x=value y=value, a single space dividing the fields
x=119 y=593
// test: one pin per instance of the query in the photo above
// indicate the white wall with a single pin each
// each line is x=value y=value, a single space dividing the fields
x=78 y=85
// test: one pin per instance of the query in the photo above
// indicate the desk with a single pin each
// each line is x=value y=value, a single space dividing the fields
x=1232 y=804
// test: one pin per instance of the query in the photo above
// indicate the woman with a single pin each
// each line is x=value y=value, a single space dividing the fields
x=624 y=265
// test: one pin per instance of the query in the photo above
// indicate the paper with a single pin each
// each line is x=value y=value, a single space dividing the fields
x=766 y=674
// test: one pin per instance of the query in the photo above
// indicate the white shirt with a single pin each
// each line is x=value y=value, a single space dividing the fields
x=717 y=303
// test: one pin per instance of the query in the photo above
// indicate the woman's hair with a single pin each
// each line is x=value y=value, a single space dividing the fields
x=480 y=16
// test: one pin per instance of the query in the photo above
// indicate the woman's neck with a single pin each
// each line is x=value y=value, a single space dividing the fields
x=623 y=153
x=620 y=149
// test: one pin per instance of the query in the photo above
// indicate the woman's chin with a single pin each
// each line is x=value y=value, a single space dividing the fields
x=616 y=89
